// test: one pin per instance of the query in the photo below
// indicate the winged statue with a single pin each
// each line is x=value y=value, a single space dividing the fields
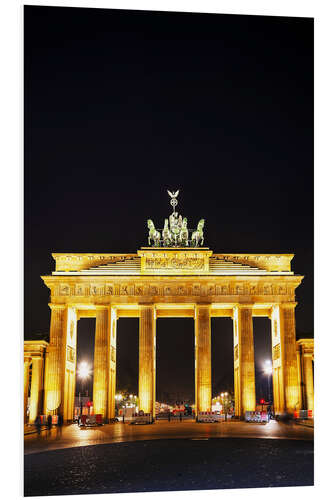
x=173 y=195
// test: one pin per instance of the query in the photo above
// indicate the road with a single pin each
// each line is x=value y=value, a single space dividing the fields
x=73 y=436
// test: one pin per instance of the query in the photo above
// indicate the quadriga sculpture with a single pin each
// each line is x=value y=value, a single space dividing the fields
x=153 y=234
x=175 y=226
x=183 y=237
x=166 y=234
x=198 y=234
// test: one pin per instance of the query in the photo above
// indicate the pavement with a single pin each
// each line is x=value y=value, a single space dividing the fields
x=170 y=465
x=72 y=436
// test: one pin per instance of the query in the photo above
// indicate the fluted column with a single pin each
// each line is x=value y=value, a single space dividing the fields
x=55 y=361
x=101 y=361
x=36 y=388
x=244 y=373
x=26 y=386
x=147 y=359
x=277 y=366
x=299 y=378
x=203 y=365
x=112 y=362
x=285 y=374
x=308 y=381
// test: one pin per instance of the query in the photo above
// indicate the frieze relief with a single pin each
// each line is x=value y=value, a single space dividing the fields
x=79 y=290
x=109 y=289
x=64 y=290
x=236 y=352
x=276 y=352
x=113 y=354
x=175 y=263
x=70 y=354
x=179 y=289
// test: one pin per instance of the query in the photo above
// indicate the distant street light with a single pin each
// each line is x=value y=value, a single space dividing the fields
x=84 y=370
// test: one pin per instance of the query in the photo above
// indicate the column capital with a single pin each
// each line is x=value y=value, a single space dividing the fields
x=102 y=307
x=248 y=305
x=287 y=305
x=57 y=306
x=147 y=305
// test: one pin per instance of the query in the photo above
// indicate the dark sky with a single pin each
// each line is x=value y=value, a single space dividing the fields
x=121 y=105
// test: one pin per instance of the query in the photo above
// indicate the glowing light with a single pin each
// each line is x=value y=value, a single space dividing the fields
x=84 y=370
x=268 y=367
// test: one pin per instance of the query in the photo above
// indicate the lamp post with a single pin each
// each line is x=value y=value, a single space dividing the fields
x=225 y=406
x=268 y=371
x=83 y=373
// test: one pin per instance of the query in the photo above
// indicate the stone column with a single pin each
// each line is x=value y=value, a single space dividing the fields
x=308 y=380
x=203 y=365
x=244 y=373
x=26 y=387
x=285 y=375
x=55 y=361
x=277 y=368
x=101 y=361
x=70 y=340
x=299 y=377
x=36 y=388
x=147 y=358
x=112 y=362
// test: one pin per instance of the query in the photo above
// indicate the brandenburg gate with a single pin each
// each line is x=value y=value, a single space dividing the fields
x=176 y=276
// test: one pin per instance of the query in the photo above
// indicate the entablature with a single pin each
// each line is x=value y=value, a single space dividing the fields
x=176 y=309
x=35 y=348
x=176 y=288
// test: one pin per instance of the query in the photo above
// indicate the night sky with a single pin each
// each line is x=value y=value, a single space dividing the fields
x=120 y=106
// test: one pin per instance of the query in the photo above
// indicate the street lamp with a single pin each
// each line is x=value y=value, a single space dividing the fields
x=225 y=405
x=268 y=371
x=83 y=374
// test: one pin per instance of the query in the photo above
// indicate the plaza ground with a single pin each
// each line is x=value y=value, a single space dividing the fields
x=73 y=436
x=167 y=457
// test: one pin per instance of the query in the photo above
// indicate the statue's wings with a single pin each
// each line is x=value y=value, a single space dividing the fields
x=173 y=195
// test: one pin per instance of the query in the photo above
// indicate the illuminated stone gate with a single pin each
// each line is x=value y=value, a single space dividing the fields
x=176 y=277
x=162 y=282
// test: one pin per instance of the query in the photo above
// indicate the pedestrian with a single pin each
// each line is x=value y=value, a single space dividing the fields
x=169 y=415
x=60 y=424
x=49 y=425
x=38 y=424
x=180 y=416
